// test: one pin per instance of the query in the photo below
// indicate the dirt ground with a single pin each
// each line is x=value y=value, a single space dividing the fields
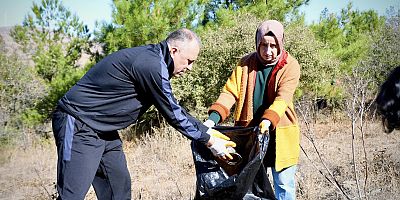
x=161 y=166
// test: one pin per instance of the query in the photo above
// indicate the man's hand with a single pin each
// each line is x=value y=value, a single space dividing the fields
x=209 y=123
x=218 y=143
x=264 y=126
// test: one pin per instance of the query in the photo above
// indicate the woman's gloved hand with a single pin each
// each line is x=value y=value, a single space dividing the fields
x=264 y=126
x=218 y=144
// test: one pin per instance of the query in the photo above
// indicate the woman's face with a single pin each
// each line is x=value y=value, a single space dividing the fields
x=268 y=49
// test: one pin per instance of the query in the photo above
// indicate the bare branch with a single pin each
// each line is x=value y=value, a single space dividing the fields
x=335 y=183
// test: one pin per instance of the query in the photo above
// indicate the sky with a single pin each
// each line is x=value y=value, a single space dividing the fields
x=313 y=9
x=12 y=12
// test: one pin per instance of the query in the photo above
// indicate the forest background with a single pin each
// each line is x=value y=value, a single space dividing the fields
x=344 y=58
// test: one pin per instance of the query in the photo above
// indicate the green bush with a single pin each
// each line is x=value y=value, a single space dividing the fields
x=384 y=53
x=20 y=90
x=320 y=77
x=55 y=40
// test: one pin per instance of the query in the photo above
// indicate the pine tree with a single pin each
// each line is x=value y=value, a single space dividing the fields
x=54 y=39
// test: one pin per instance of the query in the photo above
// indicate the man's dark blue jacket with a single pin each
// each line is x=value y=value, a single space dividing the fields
x=116 y=91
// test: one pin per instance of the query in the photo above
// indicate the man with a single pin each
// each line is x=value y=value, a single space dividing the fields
x=262 y=86
x=112 y=95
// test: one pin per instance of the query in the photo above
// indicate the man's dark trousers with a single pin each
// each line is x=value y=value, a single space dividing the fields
x=86 y=157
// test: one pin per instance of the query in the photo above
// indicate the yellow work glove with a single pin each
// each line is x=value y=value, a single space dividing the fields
x=218 y=143
x=264 y=126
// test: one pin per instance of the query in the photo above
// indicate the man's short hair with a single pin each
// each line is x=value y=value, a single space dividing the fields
x=182 y=35
x=388 y=101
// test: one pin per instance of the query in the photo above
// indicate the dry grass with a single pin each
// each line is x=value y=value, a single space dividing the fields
x=333 y=142
x=28 y=173
x=161 y=166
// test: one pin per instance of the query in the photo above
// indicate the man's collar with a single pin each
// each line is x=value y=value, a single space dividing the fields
x=167 y=57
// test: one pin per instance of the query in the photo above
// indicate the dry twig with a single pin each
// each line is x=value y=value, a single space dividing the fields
x=335 y=183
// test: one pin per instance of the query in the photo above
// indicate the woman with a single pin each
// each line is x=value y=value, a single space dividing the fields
x=262 y=87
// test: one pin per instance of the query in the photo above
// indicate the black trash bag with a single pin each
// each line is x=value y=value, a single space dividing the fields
x=247 y=179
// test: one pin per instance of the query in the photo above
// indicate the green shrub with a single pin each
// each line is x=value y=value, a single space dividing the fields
x=55 y=40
